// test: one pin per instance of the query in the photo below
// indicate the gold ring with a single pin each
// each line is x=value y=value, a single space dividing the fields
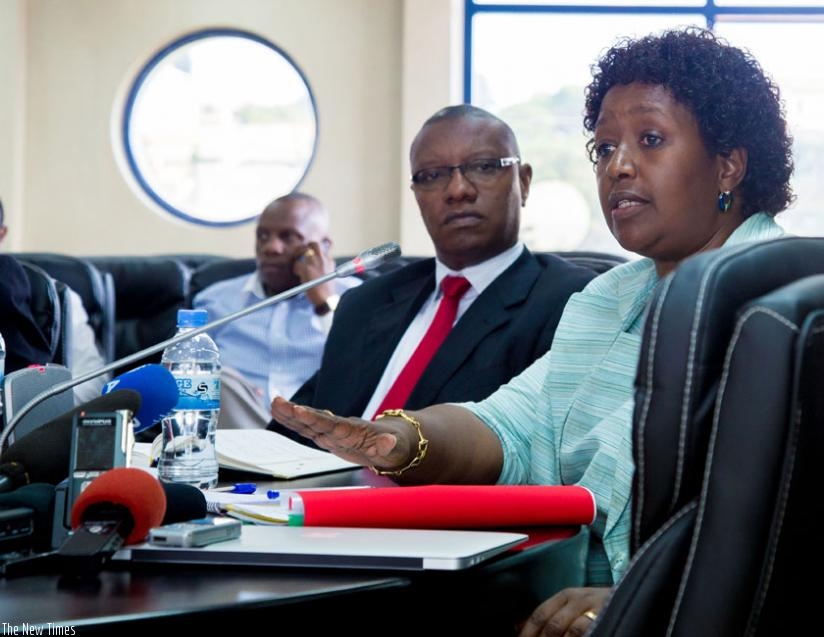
x=308 y=254
x=591 y=615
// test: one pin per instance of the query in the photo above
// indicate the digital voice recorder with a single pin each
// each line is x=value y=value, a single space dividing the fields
x=100 y=441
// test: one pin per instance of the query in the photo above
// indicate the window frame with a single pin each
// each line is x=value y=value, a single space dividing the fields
x=138 y=82
x=710 y=11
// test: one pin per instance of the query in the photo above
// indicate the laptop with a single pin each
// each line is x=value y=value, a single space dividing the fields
x=336 y=547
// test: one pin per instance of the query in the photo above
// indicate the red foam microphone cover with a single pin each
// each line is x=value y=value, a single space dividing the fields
x=134 y=489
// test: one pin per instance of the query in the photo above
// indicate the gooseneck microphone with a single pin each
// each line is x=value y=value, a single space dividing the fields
x=369 y=259
x=364 y=261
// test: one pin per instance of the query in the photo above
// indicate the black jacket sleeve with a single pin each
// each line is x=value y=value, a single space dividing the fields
x=25 y=343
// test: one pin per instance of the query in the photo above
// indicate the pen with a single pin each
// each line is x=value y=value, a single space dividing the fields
x=255 y=516
x=247 y=488
x=239 y=487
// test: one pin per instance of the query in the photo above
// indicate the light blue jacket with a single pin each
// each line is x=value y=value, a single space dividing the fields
x=567 y=419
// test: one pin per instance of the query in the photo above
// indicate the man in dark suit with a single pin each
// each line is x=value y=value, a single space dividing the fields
x=469 y=184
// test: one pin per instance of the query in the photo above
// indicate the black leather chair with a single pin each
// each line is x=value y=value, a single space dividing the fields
x=212 y=271
x=193 y=261
x=51 y=312
x=95 y=288
x=149 y=290
x=727 y=435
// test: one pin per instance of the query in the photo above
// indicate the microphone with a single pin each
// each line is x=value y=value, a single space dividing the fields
x=92 y=546
x=183 y=502
x=118 y=507
x=365 y=260
x=43 y=455
x=369 y=259
x=157 y=388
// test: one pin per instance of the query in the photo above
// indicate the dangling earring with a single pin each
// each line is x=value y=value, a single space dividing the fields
x=724 y=200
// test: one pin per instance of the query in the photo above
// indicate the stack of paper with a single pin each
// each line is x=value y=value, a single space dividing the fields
x=256 y=451
x=266 y=452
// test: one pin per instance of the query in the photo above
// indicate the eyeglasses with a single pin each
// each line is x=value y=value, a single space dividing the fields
x=478 y=171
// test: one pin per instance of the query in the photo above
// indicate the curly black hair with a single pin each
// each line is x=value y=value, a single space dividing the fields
x=735 y=104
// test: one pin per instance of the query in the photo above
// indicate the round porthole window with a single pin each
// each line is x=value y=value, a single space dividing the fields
x=216 y=125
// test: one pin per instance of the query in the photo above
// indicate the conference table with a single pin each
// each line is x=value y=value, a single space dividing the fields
x=138 y=598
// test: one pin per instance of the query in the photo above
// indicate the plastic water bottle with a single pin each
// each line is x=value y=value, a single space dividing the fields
x=188 y=451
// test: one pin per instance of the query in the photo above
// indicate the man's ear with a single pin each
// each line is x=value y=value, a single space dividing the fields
x=525 y=177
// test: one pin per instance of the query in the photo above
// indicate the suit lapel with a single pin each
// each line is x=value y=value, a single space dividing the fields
x=494 y=307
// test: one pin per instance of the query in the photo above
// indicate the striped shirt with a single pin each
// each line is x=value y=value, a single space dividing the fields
x=567 y=419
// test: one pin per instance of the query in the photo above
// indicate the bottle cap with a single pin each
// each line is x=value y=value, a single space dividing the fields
x=192 y=318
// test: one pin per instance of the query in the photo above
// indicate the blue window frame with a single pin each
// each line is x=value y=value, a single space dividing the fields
x=215 y=125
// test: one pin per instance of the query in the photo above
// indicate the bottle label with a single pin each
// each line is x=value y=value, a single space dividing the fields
x=198 y=392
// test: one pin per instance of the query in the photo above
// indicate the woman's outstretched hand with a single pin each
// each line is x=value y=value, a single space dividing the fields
x=385 y=443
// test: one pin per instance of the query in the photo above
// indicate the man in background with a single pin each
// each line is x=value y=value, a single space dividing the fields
x=274 y=350
x=25 y=343
x=388 y=347
x=85 y=354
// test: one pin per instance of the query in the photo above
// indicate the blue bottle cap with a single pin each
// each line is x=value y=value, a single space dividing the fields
x=192 y=318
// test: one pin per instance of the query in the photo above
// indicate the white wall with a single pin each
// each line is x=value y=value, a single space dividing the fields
x=432 y=78
x=12 y=107
x=377 y=68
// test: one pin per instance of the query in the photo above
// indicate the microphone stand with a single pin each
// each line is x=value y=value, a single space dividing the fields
x=364 y=261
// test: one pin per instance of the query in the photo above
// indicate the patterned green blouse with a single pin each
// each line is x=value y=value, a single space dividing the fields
x=567 y=419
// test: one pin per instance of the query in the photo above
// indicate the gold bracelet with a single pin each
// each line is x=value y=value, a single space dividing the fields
x=423 y=443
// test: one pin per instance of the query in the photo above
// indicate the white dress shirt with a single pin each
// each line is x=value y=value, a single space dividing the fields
x=480 y=276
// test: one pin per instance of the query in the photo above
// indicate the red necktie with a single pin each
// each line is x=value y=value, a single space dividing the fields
x=453 y=288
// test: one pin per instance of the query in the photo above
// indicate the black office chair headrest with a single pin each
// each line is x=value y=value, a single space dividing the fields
x=689 y=323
